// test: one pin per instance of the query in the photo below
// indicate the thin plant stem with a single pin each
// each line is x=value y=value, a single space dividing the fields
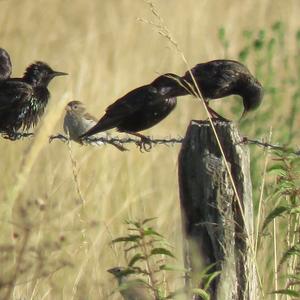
x=261 y=194
x=275 y=258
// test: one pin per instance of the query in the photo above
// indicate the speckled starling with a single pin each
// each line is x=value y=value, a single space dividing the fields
x=23 y=100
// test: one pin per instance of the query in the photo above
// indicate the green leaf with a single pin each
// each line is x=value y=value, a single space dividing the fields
x=295 y=210
x=136 y=258
x=129 y=238
x=151 y=231
x=210 y=278
x=294 y=250
x=172 y=268
x=162 y=251
x=202 y=293
x=276 y=167
x=288 y=292
x=275 y=213
x=206 y=270
x=148 y=220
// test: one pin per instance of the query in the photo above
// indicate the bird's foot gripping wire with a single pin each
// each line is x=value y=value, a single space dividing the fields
x=58 y=136
x=14 y=136
x=145 y=144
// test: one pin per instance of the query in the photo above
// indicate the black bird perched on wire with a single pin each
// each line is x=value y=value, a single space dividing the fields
x=5 y=64
x=221 y=78
x=141 y=108
x=23 y=100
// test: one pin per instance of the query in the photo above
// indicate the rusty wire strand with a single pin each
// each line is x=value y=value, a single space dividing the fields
x=168 y=141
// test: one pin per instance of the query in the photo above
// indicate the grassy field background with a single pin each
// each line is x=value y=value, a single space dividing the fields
x=107 y=51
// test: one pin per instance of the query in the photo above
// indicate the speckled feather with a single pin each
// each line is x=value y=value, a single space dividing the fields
x=5 y=64
x=23 y=100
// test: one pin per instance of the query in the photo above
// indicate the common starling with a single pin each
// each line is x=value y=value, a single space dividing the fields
x=130 y=289
x=77 y=121
x=221 y=78
x=141 y=108
x=23 y=100
x=5 y=64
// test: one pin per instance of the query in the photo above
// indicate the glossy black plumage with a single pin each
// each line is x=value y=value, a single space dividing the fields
x=23 y=100
x=5 y=64
x=221 y=78
x=142 y=107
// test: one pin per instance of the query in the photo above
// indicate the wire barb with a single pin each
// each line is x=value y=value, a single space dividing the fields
x=246 y=140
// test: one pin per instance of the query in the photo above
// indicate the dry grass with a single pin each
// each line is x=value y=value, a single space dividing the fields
x=107 y=52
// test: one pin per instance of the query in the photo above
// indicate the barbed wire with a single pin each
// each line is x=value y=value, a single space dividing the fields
x=144 y=145
x=148 y=142
x=263 y=144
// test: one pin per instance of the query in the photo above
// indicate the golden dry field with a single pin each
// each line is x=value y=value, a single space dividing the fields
x=108 y=48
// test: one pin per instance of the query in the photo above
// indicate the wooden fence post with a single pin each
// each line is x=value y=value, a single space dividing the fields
x=216 y=231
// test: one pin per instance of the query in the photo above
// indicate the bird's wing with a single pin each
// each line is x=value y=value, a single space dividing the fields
x=90 y=118
x=219 y=76
x=123 y=108
x=14 y=93
x=131 y=102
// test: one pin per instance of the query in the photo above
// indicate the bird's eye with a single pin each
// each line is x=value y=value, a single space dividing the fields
x=75 y=106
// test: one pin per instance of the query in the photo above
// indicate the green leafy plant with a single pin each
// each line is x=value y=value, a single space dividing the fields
x=148 y=255
x=286 y=210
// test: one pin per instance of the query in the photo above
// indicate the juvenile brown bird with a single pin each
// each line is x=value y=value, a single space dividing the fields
x=141 y=108
x=23 y=100
x=5 y=64
x=77 y=121
x=221 y=78
x=130 y=289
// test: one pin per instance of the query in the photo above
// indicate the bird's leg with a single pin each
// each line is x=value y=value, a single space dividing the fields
x=215 y=115
x=58 y=136
x=145 y=143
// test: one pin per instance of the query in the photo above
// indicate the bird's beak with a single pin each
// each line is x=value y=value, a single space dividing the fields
x=110 y=271
x=57 y=73
x=67 y=108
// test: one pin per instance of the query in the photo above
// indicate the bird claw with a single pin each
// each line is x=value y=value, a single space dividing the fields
x=144 y=144
x=14 y=136
x=58 y=136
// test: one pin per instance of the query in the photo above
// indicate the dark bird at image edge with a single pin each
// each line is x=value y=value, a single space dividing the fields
x=23 y=100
